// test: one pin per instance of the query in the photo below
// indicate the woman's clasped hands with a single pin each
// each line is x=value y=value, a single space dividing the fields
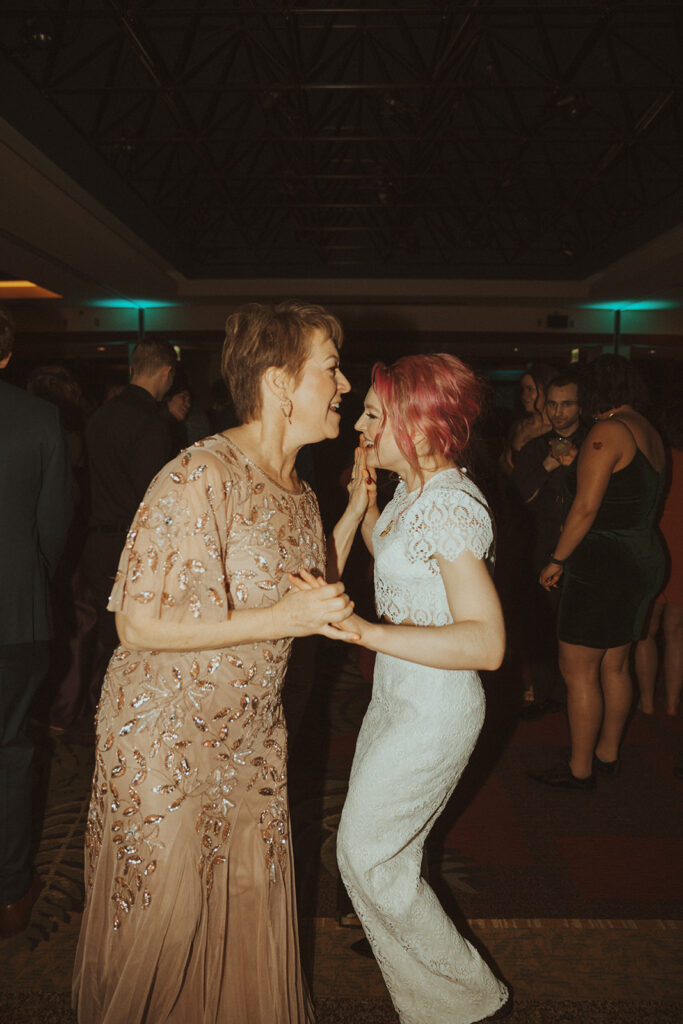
x=344 y=627
x=312 y=607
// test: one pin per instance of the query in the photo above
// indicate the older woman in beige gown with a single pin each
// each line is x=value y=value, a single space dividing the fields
x=190 y=908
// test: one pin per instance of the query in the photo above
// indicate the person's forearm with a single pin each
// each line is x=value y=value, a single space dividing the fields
x=367 y=526
x=460 y=645
x=250 y=625
x=578 y=523
x=341 y=539
x=340 y=542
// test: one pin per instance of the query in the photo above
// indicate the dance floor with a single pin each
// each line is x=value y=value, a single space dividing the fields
x=577 y=897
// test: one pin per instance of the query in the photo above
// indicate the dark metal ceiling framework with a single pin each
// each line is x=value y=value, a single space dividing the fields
x=480 y=139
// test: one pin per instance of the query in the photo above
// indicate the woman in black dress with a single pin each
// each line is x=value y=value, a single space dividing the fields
x=613 y=566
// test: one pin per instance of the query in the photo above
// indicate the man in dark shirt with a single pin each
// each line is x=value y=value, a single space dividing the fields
x=539 y=475
x=35 y=513
x=128 y=440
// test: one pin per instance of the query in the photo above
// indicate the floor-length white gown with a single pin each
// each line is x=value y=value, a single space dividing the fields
x=416 y=739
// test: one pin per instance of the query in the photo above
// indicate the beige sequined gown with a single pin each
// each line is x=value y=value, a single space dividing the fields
x=190 y=907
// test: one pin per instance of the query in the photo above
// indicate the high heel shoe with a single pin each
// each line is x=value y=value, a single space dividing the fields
x=561 y=777
x=610 y=769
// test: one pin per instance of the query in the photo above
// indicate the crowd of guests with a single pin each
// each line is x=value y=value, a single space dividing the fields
x=196 y=552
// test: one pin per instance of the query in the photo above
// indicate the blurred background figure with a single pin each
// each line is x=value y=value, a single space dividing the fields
x=177 y=405
x=35 y=512
x=57 y=385
x=539 y=476
x=221 y=413
x=667 y=615
x=533 y=421
x=128 y=440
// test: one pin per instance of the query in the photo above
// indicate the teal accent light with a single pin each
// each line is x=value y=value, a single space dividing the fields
x=642 y=305
x=129 y=304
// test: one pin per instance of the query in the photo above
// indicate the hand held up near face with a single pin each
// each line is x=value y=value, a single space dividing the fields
x=362 y=486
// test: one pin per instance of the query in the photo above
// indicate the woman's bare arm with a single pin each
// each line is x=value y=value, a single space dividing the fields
x=361 y=511
x=296 y=614
x=599 y=454
x=474 y=640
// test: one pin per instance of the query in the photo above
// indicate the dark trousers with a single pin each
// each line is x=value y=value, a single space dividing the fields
x=22 y=667
x=94 y=637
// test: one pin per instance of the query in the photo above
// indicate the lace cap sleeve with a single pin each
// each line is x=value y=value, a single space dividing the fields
x=448 y=519
x=173 y=559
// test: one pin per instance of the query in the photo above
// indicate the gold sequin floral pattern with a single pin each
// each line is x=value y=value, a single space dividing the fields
x=185 y=740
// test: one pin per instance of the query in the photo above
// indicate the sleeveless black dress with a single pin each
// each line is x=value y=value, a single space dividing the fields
x=615 y=573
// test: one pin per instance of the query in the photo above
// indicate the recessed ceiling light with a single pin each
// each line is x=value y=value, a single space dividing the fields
x=25 y=290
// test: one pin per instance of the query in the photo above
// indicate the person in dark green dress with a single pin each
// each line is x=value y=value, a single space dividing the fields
x=613 y=565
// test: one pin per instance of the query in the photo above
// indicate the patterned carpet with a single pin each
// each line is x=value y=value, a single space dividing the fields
x=586 y=888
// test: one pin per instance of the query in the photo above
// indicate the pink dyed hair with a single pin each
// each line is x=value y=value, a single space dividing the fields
x=436 y=395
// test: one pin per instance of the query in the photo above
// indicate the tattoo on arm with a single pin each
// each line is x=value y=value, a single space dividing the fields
x=598 y=444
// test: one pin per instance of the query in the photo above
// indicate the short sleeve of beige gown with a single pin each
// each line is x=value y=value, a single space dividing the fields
x=172 y=565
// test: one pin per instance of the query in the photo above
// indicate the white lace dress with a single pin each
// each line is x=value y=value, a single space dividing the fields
x=416 y=739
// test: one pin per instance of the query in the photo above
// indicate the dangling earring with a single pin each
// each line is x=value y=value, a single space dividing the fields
x=286 y=409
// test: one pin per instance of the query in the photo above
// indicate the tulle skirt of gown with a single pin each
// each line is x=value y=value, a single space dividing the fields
x=415 y=741
x=190 y=915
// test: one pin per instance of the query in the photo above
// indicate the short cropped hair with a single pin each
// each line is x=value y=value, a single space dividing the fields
x=563 y=380
x=436 y=395
x=151 y=355
x=6 y=335
x=611 y=381
x=260 y=335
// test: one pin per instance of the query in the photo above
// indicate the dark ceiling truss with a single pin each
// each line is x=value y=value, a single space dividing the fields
x=394 y=139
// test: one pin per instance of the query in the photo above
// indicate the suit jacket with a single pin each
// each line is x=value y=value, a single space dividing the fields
x=35 y=512
x=128 y=441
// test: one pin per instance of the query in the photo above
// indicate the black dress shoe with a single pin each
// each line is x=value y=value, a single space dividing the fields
x=561 y=777
x=14 y=917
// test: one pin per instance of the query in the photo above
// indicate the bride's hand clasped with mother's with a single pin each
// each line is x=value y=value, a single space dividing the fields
x=349 y=628
x=321 y=606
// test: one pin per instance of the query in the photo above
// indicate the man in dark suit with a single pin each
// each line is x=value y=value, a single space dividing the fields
x=128 y=440
x=35 y=513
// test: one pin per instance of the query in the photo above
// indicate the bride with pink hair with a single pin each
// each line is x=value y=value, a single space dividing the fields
x=441 y=621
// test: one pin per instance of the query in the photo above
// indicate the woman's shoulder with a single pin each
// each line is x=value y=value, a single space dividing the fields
x=455 y=485
x=217 y=453
x=209 y=462
x=450 y=500
x=450 y=514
